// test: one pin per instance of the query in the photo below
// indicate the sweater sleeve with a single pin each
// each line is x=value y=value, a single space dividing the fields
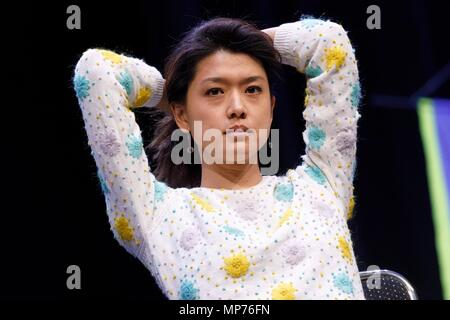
x=108 y=86
x=323 y=52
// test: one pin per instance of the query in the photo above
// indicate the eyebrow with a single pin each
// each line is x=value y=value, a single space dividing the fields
x=223 y=80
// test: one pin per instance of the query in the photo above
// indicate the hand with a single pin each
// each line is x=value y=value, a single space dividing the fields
x=163 y=103
x=270 y=32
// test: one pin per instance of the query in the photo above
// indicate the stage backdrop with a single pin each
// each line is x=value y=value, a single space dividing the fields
x=434 y=120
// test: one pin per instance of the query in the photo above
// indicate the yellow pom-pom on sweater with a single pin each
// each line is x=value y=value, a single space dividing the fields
x=111 y=56
x=202 y=203
x=237 y=265
x=334 y=56
x=351 y=207
x=123 y=228
x=285 y=217
x=345 y=248
x=143 y=95
x=284 y=291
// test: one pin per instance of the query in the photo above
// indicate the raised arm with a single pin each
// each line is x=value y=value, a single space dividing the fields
x=108 y=86
x=323 y=52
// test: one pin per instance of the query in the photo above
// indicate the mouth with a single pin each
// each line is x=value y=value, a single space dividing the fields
x=238 y=130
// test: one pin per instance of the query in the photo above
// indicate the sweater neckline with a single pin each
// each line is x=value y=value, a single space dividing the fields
x=257 y=186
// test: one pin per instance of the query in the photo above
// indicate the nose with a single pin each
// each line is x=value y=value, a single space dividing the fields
x=236 y=108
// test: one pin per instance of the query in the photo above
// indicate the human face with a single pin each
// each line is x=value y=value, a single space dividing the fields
x=229 y=89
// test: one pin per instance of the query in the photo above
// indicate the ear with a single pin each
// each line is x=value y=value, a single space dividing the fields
x=180 y=115
x=272 y=105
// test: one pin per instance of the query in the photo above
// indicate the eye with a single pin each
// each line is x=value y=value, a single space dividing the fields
x=214 y=91
x=253 y=88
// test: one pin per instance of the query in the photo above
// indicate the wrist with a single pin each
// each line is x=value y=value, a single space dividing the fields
x=271 y=33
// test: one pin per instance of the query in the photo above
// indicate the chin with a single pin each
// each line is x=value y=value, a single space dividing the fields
x=241 y=151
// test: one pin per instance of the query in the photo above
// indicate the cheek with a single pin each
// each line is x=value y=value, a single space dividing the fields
x=263 y=124
x=201 y=119
x=209 y=116
x=196 y=111
x=264 y=116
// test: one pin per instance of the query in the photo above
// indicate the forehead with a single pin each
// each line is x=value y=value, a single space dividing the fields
x=232 y=66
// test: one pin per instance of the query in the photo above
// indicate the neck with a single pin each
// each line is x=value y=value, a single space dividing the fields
x=230 y=176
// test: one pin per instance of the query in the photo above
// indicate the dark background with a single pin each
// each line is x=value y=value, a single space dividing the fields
x=54 y=212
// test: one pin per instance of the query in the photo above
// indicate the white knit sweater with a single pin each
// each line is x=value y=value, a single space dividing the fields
x=285 y=238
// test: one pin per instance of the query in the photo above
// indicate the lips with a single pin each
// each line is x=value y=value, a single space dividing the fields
x=237 y=128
